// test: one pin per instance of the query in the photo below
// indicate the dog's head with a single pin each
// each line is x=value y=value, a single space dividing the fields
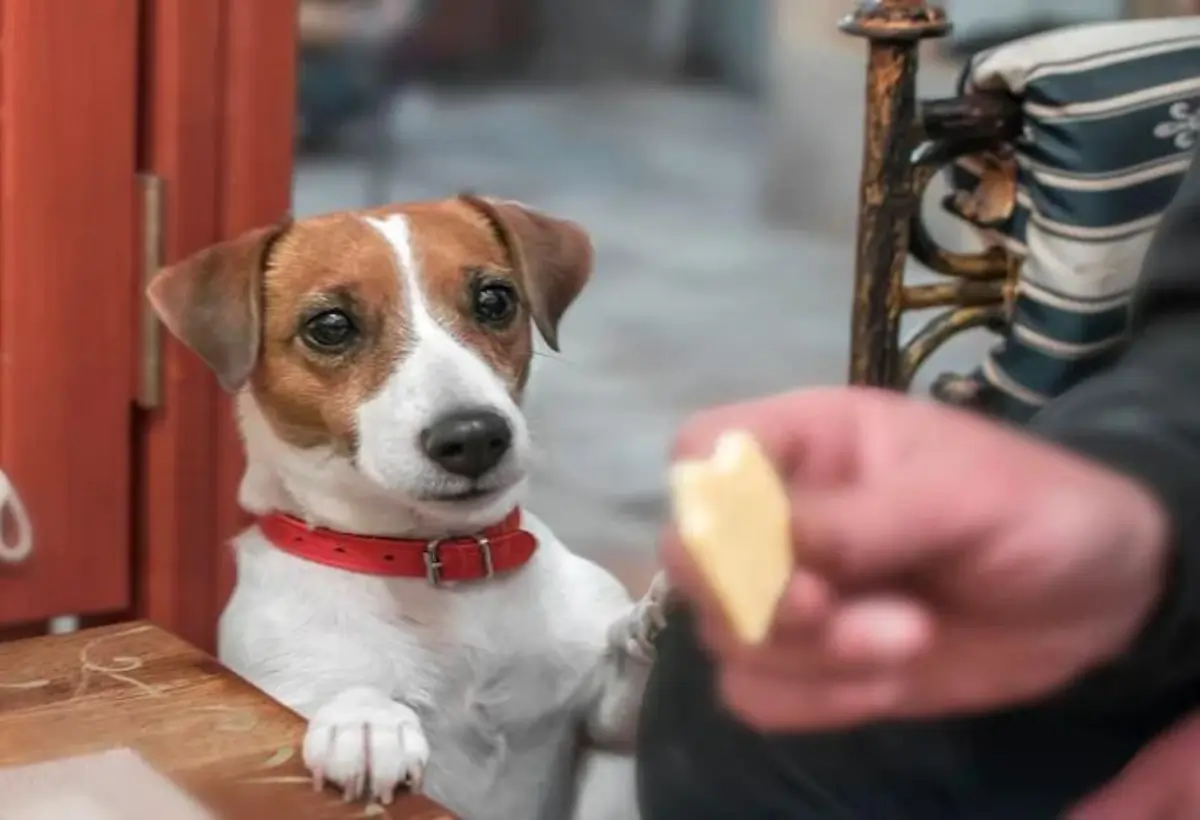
x=396 y=340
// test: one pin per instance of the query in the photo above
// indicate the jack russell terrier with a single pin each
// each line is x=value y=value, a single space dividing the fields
x=392 y=591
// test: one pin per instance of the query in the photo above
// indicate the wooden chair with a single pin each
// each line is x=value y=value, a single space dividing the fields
x=1062 y=150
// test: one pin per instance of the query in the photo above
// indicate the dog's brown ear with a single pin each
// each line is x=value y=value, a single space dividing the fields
x=553 y=257
x=212 y=301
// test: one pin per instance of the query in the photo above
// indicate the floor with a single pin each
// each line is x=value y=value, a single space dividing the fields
x=695 y=300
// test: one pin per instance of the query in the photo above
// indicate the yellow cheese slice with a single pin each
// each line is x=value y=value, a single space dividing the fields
x=734 y=518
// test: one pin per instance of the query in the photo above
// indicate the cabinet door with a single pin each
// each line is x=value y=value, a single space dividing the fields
x=68 y=271
x=219 y=102
x=256 y=190
x=181 y=120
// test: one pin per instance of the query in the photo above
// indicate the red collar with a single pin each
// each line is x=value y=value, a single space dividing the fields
x=497 y=549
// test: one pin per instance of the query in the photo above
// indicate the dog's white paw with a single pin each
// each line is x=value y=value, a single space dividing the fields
x=366 y=743
x=635 y=634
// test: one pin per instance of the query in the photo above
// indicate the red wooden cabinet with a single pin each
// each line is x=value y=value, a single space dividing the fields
x=117 y=440
x=68 y=267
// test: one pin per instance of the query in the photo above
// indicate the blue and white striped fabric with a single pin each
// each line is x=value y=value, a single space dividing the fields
x=1111 y=114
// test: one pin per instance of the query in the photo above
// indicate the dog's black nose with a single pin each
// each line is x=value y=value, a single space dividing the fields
x=468 y=443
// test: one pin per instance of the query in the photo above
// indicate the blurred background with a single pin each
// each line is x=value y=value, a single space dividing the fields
x=710 y=146
x=712 y=149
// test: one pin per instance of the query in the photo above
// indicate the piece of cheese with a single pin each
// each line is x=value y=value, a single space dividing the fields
x=734 y=518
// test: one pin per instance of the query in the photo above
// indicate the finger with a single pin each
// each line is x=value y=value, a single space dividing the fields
x=806 y=603
x=870 y=534
x=810 y=435
x=785 y=704
x=802 y=612
x=806 y=598
x=854 y=642
x=879 y=631
x=866 y=520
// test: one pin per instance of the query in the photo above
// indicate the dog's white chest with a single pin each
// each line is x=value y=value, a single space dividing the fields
x=505 y=743
x=497 y=674
x=503 y=717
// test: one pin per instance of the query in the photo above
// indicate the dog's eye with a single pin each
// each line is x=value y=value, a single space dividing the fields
x=330 y=331
x=495 y=303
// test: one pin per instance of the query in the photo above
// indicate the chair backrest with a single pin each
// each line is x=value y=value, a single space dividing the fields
x=1064 y=149
x=1110 y=115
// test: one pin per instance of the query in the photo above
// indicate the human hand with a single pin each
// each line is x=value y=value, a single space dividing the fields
x=945 y=564
x=1162 y=782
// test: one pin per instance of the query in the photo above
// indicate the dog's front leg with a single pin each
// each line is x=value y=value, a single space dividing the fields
x=620 y=679
x=359 y=736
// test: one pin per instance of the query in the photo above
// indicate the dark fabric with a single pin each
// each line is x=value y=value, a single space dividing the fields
x=695 y=762
x=1141 y=417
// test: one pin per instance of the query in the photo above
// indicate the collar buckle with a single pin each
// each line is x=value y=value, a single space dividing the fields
x=434 y=564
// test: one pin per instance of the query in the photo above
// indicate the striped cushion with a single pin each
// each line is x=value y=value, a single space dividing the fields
x=1111 y=113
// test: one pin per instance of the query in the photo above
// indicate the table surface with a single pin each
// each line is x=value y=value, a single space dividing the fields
x=133 y=685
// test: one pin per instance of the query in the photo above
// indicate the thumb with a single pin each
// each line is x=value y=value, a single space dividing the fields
x=1126 y=801
x=866 y=533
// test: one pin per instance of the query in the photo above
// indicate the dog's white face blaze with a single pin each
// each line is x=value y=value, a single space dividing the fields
x=436 y=375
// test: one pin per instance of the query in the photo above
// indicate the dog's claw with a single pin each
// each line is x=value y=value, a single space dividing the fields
x=352 y=790
x=658 y=617
x=635 y=634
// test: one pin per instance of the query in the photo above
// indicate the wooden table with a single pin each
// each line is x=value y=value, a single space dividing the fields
x=136 y=686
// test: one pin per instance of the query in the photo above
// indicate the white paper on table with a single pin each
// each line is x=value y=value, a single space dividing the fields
x=112 y=785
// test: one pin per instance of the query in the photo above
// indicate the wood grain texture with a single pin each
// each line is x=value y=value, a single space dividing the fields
x=67 y=269
x=259 y=82
x=181 y=126
x=133 y=685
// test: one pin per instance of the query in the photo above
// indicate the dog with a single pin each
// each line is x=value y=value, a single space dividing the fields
x=392 y=590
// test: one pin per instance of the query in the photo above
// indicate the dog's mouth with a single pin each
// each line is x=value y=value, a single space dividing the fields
x=470 y=494
x=474 y=495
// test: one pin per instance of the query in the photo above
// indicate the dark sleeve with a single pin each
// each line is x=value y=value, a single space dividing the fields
x=1143 y=418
